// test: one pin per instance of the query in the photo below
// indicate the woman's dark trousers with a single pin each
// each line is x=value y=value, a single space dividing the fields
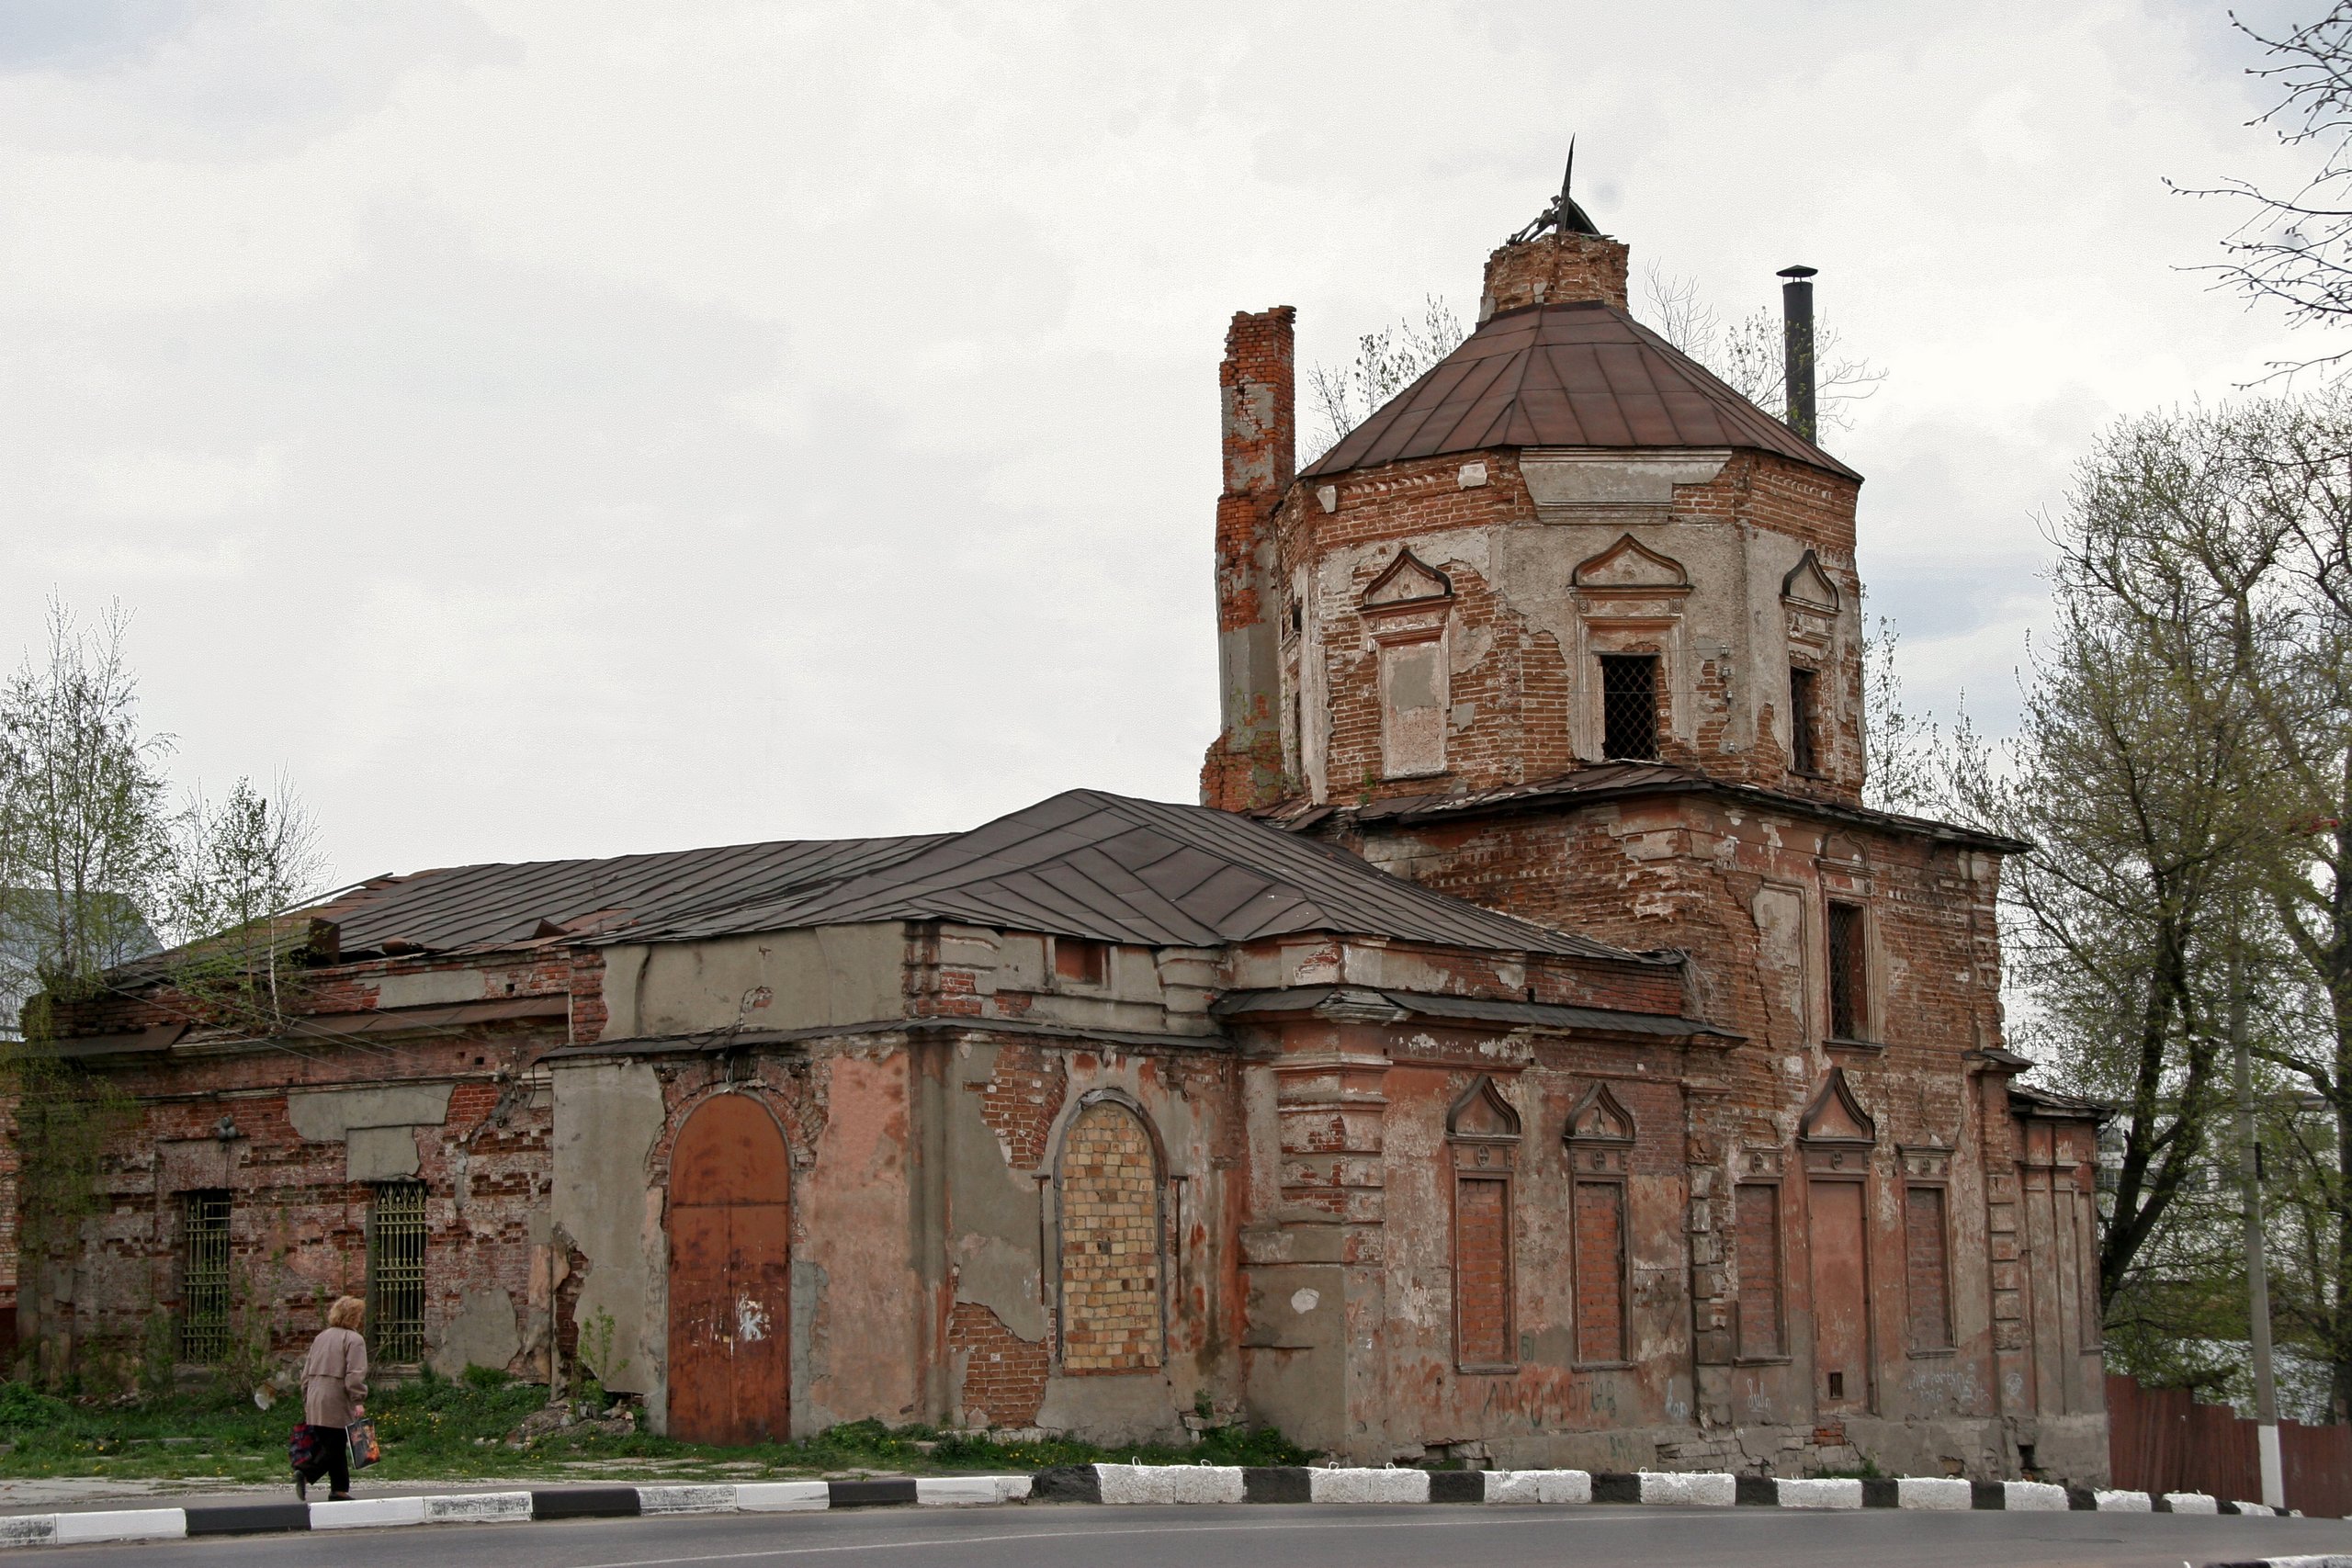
x=335 y=1458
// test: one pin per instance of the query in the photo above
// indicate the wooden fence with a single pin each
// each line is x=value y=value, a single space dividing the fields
x=2161 y=1439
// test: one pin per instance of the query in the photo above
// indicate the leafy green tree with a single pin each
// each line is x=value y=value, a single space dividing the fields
x=98 y=870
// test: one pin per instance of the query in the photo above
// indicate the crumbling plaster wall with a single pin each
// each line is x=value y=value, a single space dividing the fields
x=1319 y=960
x=1524 y=697
x=470 y=1119
x=796 y=979
x=1010 y=1106
x=1743 y=894
x=1551 y=1409
x=607 y=1217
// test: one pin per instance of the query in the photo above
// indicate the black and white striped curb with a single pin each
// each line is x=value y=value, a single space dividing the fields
x=501 y=1507
x=1291 y=1483
x=1111 y=1484
x=2326 y=1560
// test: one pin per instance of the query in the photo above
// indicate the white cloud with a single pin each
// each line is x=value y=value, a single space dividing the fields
x=561 y=427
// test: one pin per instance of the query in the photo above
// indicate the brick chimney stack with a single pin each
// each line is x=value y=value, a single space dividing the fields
x=1554 y=269
x=1260 y=422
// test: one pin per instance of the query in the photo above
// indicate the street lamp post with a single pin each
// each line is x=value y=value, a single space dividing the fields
x=2265 y=1390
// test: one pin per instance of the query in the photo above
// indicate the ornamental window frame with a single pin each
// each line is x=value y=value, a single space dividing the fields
x=1483 y=1135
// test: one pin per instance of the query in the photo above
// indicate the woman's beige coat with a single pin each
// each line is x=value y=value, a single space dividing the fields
x=334 y=1378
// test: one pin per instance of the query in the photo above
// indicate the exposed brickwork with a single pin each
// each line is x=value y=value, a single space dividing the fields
x=1759 y=1234
x=1555 y=269
x=1482 y=1270
x=1111 y=1244
x=1021 y=1099
x=1924 y=1247
x=1259 y=406
x=1004 y=1375
x=1601 y=1270
x=1518 y=688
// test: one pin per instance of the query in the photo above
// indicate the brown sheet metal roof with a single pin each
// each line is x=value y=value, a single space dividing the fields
x=1577 y=375
x=1084 y=864
x=1087 y=863
x=500 y=906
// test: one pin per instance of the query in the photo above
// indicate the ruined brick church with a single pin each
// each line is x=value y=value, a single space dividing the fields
x=1533 y=1051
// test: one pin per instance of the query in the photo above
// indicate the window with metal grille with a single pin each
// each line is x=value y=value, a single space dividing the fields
x=204 y=1276
x=1801 y=753
x=396 y=1273
x=1629 y=704
x=1849 y=967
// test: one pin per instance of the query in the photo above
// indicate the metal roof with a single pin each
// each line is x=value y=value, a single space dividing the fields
x=1576 y=375
x=501 y=906
x=1087 y=863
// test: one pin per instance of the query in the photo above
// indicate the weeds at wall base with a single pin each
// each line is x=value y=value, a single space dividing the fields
x=434 y=1427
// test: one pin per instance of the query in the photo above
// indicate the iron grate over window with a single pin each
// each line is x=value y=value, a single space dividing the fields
x=1848 y=986
x=396 y=1273
x=1801 y=752
x=1629 y=704
x=204 y=1277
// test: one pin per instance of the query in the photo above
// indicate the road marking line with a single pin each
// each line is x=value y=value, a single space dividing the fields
x=968 y=1541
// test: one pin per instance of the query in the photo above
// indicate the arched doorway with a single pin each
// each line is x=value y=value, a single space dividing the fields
x=730 y=1276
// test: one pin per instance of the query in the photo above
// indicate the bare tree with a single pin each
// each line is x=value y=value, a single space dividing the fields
x=238 y=867
x=1386 y=362
x=85 y=824
x=1900 y=770
x=1749 y=355
x=2295 y=246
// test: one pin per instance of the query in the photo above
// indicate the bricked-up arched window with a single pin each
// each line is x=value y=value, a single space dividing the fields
x=1482 y=1132
x=1406 y=611
x=1601 y=1148
x=1109 y=1182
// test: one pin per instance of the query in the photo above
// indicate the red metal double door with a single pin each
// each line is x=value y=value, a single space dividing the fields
x=730 y=1276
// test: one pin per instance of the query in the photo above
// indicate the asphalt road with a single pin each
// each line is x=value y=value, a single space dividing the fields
x=1041 y=1536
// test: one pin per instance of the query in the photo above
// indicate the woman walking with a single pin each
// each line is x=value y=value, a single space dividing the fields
x=334 y=1383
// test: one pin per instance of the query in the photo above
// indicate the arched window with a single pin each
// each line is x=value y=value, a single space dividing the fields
x=1483 y=1131
x=1601 y=1146
x=1109 y=1179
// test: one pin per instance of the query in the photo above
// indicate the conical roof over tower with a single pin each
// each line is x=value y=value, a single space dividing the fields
x=1580 y=372
x=1558 y=361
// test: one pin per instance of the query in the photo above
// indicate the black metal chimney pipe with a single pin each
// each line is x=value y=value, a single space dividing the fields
x=1796 y=317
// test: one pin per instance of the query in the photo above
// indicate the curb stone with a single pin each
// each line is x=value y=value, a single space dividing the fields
x=1133 y=1484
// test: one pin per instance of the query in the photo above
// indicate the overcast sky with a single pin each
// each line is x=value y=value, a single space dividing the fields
x=572 y=428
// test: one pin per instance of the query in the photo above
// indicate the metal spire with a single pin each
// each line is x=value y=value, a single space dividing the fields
x=1562 y=215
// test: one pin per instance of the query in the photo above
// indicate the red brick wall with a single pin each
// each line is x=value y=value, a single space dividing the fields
x=1924 y=1255
x=1482 y=1270
x=1004 y=1375
x=1022 y=1098
x=1513 y=679
x=1601 y=1270
x=1244 y=766
x=1556 y=269
x=1759 y=1239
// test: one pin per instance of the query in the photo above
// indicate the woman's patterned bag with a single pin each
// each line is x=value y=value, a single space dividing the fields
x=365 y=1451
